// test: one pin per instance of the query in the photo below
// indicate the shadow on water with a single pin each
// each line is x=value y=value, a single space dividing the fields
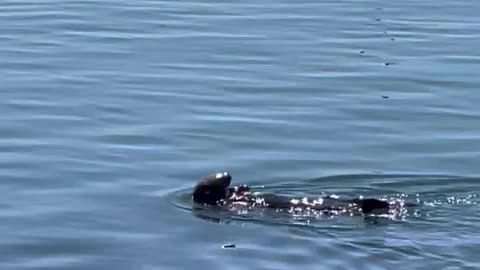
x=417 y=197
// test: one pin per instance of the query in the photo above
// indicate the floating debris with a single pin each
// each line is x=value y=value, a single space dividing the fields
x=228 y=246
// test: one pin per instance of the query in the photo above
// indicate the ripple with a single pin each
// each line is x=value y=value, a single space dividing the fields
x=111 y=108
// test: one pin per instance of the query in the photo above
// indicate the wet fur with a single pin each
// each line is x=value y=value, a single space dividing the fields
x=215 y=190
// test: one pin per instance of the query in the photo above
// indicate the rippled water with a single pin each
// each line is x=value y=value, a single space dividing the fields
x=112 y=110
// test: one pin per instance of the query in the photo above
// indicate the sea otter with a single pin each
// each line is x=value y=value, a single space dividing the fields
x=215 y=190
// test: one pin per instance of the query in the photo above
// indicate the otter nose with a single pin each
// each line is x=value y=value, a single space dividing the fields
x=225 y=177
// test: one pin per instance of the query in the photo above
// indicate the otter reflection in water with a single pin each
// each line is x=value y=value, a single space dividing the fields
x=215 y=190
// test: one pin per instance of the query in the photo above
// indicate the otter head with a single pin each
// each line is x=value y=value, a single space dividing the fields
x=212 y=188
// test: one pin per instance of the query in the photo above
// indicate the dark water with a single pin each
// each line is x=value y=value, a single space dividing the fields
x=111 y=110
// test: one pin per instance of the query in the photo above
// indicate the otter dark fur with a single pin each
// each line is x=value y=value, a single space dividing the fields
x=214 y=190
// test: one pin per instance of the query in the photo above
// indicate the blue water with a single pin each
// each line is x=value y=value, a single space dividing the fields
x=112 y=110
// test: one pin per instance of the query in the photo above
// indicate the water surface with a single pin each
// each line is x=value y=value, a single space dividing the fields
x=112 y=110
